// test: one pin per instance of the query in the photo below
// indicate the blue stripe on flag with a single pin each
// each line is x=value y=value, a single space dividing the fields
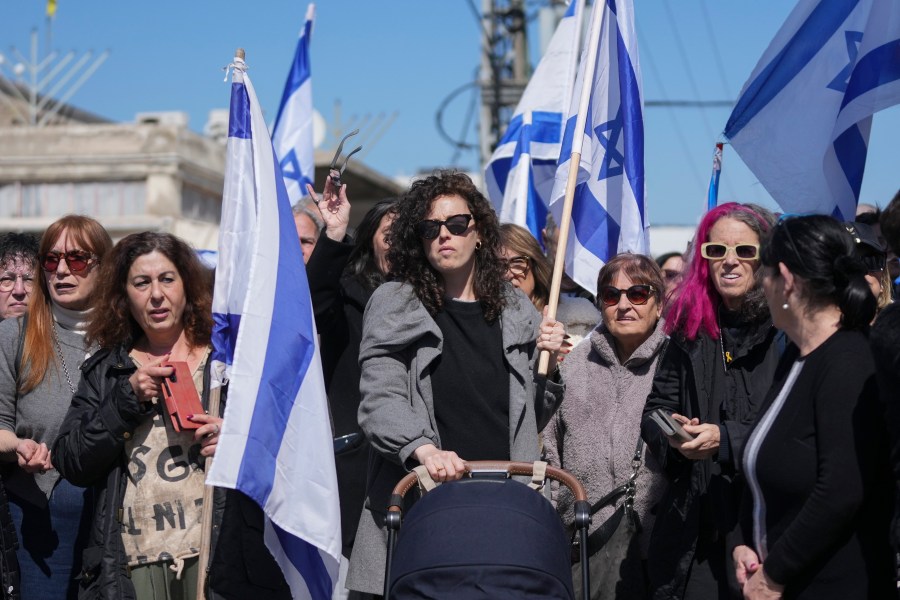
x=633 y=124
x=876 y=68
x=850 y=148
x=544 y=127
x=596 y=230
x=276 y=395
x=570 y=10
x=825 y=19
x=239 y=117
x=299 y=73
x=306 y=559
x=224 y=337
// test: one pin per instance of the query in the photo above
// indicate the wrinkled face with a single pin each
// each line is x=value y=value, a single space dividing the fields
x=518 y=271
x=732 y=277
x=380 y=245
x=673 y=273
x=628 y=322
x=70 y=288
x=306 y=231
x=449 y=253
x=156 y=295
x=16 y=283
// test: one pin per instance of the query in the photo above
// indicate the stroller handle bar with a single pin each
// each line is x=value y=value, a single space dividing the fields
x=510 y=468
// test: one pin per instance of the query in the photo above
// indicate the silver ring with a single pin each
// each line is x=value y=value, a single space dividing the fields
x=216 y=425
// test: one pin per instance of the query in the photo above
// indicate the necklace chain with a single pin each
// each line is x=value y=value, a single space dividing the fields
x=62 y=359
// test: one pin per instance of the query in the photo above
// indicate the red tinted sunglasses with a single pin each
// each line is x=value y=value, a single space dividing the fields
x=636 y=294
x=77 y=260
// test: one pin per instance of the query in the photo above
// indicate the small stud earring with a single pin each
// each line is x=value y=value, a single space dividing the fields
x=785 y=306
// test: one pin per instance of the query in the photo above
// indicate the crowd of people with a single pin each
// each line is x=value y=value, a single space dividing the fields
x=731 y=410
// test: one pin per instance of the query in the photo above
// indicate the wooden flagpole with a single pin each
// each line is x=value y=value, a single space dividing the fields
x=206 y=512
x=587 y=81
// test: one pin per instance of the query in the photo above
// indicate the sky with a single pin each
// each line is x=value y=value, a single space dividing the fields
x=406 y=57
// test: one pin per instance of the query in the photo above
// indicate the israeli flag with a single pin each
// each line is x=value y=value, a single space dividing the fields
x=292 y=134
x=802 y=121
x=276 y=444
x=519 y=175
x=608 y=213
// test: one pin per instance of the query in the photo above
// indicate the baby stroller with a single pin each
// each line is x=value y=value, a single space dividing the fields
x=485 y=536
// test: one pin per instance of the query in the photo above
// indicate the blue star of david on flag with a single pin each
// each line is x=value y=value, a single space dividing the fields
x=613 y=163
x=853 y=39
x=290 y=168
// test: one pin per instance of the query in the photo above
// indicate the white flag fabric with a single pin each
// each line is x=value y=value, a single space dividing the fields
x=608 y=214
x=802 y=121
x=519 y=175
x=292 y=134
x=275 y=445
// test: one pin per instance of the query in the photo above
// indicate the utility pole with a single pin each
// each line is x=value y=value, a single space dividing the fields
x=504 y=68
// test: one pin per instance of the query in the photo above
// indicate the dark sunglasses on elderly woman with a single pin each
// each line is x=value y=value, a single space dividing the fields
x=636 y=294
x=77 y=260
x=431 y=228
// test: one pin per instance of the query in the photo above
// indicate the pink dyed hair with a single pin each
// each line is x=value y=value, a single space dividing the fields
x=696 y=302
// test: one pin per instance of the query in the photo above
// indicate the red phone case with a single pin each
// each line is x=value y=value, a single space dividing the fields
x=181 y=396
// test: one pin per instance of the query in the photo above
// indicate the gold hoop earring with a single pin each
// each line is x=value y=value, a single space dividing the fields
x=478 y=245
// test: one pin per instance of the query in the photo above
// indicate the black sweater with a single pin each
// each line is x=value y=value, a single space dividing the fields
x=819 y=456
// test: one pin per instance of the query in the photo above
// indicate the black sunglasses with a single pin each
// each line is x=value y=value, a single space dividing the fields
x=77 y=260
x=431 y=228
x=636 y=294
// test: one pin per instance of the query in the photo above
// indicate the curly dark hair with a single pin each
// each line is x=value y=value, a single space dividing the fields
x=113 y=324
x=407 y=257
x=21 y=246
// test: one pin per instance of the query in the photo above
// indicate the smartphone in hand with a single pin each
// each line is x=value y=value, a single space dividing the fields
x=181 y=397
x=670 y=426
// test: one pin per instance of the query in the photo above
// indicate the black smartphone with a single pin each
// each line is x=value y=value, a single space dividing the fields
x=346 y=443
x=670 y=426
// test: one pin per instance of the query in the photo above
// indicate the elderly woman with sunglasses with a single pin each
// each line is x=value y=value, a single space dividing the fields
x=447 y=356
x=529 y=270
x=713 y=378
x=595 y=434
x=39 y=372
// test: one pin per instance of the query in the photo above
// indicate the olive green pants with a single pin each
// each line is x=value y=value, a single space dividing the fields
x=157 y=581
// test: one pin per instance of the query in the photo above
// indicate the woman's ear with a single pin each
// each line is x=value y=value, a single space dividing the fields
x=790 y=282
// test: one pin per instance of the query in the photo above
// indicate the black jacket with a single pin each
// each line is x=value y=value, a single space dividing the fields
x=885 y=340
x=338 y=304
x=703 y=495
x=89 y=452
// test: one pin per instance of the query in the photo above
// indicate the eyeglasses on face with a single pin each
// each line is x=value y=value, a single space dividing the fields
x=672 y=275
x=431 y=228
x=717 y=251
x=636 y=294
x=518 y=265
x=8 y=281
x=77 y=260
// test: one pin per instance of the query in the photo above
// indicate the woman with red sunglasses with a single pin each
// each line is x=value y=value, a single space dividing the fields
x=713 y=378
x=39 y=372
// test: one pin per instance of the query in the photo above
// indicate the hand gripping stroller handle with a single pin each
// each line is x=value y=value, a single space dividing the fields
x=510 y=468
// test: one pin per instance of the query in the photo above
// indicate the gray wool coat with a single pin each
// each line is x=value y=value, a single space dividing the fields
x=595 y=432
x=400 y=341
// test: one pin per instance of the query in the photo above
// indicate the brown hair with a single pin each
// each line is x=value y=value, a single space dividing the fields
x=113 y=323
x=519 y=241
x=639 y=268
x=37 y=350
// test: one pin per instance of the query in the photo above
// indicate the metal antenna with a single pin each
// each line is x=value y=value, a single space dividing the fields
x=42 y=79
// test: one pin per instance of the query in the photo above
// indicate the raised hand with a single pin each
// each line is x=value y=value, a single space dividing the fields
x=334 y=208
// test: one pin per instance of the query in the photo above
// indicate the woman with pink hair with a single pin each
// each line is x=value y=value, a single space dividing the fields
x=712 y=380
